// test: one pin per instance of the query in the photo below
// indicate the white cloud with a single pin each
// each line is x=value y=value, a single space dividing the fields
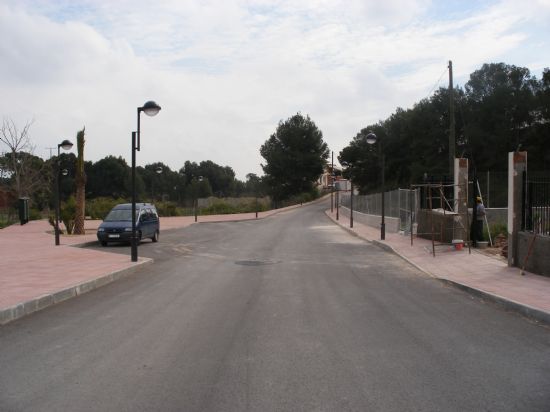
x=226 y=72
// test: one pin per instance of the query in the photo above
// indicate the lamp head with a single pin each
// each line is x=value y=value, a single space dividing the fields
x=150 y=108
x=65 y=144
x=371 y=138
x=159 y=170
x=64 y=172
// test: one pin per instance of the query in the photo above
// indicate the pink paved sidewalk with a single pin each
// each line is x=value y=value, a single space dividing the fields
x=488 y=274
x=32 y=266
x=33 y=271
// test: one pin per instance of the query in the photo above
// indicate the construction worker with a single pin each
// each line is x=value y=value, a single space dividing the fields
x=478 y=224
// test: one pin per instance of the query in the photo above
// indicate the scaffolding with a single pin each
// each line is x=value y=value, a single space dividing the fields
x=436 y=192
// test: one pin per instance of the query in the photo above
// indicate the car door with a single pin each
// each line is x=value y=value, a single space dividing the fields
x=146 y=223
x=155 y=224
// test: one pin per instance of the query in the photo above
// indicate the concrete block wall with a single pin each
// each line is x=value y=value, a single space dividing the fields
x=497 y=215
x=392 y=223
x=494 y=215
x=539 y=260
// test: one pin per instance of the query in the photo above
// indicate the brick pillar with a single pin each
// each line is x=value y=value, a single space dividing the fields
x=461 y=199
x=517 y=164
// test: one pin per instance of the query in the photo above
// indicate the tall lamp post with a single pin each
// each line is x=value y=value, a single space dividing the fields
x=150 y=108
x=196 y=200
x=66 y=145
x=351 y=204
x=332 y=185
x=158 y=171
x=337 y=201
x=372 y=139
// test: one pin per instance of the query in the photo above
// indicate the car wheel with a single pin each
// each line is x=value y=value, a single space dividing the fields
x=103 y=243
x=155 y=237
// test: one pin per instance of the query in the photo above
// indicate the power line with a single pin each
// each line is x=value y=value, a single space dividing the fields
x=437 y=82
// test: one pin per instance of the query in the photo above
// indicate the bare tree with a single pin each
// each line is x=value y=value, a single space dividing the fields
x=19 y=163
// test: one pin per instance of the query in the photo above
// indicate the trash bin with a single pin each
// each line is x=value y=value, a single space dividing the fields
x=23 y=206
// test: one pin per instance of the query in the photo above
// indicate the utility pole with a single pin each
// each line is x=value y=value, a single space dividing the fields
x=332 y=185
x=50 y=148
x=452 y=139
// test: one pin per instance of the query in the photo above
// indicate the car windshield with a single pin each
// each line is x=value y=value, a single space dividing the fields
x=119 y=215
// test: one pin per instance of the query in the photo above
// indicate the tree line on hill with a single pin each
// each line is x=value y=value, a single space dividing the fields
x=502 y=108
x=110 y=177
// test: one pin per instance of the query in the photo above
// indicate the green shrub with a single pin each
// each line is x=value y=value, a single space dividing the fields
x=7 y=219
x=10 y=216
x=247 y=205
x=298 y=199
x=99 y=207
x=67 y=212
x=35 y=214
x=62 y=213
x=496 y=229
x=169 y=209
x=219 y=207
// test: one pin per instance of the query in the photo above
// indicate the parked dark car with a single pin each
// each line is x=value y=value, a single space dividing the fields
x=117 y=226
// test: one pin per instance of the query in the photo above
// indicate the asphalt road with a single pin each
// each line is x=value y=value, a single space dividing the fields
x=290 y=313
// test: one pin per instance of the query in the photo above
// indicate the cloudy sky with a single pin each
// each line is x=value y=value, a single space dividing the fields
x=227 y=71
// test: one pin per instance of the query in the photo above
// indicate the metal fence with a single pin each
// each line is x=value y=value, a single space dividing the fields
x=494 y=188
x=398 y=203
x=536 y=201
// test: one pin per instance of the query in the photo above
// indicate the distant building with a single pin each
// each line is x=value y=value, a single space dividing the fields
x=327 y=179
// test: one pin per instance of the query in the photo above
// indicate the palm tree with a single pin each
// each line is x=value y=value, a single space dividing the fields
x=80 y=179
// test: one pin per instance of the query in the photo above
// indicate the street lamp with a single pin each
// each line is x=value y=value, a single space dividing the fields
x=302 y=190
x=337 y=201
x=332 y=184
x=150 y=108
x=65 y=145
x=372 y=139
x=351 y=205
x=158 y=171
x=196 y=200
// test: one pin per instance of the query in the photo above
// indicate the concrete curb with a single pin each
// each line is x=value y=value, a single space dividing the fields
x=85 y=244
x=508 y=304
x=34 y=305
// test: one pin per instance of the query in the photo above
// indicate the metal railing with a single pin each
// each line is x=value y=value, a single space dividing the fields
x=536 y=201
x=494 y=188
x=397 y=204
